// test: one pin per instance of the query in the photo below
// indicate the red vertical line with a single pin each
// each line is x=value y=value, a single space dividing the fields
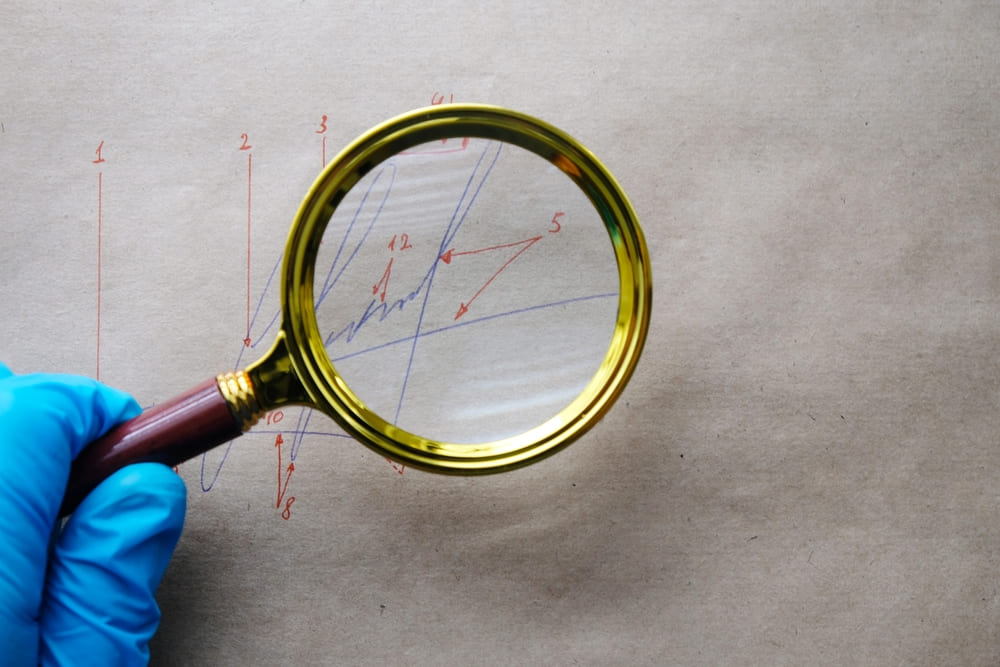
x=324 y=151
x=277 y=443
x=249 y=190
x=100 y=219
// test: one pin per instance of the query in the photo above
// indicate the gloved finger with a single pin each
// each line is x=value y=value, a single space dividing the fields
x=4 y=371
x=45 y=420
x=106 y=565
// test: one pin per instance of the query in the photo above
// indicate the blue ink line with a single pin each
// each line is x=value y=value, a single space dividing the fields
x=446 y=240
x=376 y=307
x=467 y=322
x=260 y=303
x=299 y=434
x=327 y=284
x=256 y=312
x=458 y=217
x=218 y=470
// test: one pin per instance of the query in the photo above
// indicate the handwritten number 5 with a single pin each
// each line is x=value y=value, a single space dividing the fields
x=554 y=229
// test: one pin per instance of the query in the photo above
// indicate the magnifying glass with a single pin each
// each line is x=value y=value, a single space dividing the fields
x=465 y=289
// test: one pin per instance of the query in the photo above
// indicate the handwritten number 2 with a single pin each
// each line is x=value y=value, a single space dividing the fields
x=245 y=146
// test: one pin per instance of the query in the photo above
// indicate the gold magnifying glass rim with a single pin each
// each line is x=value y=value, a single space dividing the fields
x=323 y=383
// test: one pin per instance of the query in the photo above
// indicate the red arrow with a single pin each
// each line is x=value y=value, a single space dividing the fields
x=282 y=488
x=447 y=256
x=383 y=282
x=450 y=254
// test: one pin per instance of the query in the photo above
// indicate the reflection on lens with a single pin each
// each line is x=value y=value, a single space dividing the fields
x=466 y=290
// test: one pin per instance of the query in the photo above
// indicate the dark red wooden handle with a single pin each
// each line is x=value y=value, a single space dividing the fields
x=169 y=433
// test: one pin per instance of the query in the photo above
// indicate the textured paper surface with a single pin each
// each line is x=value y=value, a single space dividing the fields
x=804 y=469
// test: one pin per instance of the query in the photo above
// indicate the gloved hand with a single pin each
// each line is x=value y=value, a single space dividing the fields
x=82 y=595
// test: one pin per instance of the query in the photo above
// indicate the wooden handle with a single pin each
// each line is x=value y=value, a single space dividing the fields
x=169 y=433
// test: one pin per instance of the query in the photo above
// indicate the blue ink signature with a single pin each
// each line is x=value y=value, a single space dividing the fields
x=376 y=311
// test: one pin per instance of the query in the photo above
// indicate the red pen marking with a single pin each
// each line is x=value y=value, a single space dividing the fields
x=450 y=254
x=100 y=216
x=286 y=514
x=322 y=130
x=383 y=282
x=245 y=146
x=99 y=159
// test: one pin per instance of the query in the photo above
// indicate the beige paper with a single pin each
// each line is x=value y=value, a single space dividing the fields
x=804 y=468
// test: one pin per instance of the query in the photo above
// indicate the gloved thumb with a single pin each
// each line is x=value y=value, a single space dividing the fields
x=99 y=601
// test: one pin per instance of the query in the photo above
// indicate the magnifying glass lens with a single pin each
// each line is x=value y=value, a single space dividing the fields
x=466 y=290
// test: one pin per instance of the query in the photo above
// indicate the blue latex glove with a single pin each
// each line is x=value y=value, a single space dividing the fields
x=82 y=595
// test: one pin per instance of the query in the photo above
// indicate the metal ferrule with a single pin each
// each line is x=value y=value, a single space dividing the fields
x=238 y=391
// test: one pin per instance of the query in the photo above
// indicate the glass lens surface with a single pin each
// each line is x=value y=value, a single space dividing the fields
x=466 y=290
